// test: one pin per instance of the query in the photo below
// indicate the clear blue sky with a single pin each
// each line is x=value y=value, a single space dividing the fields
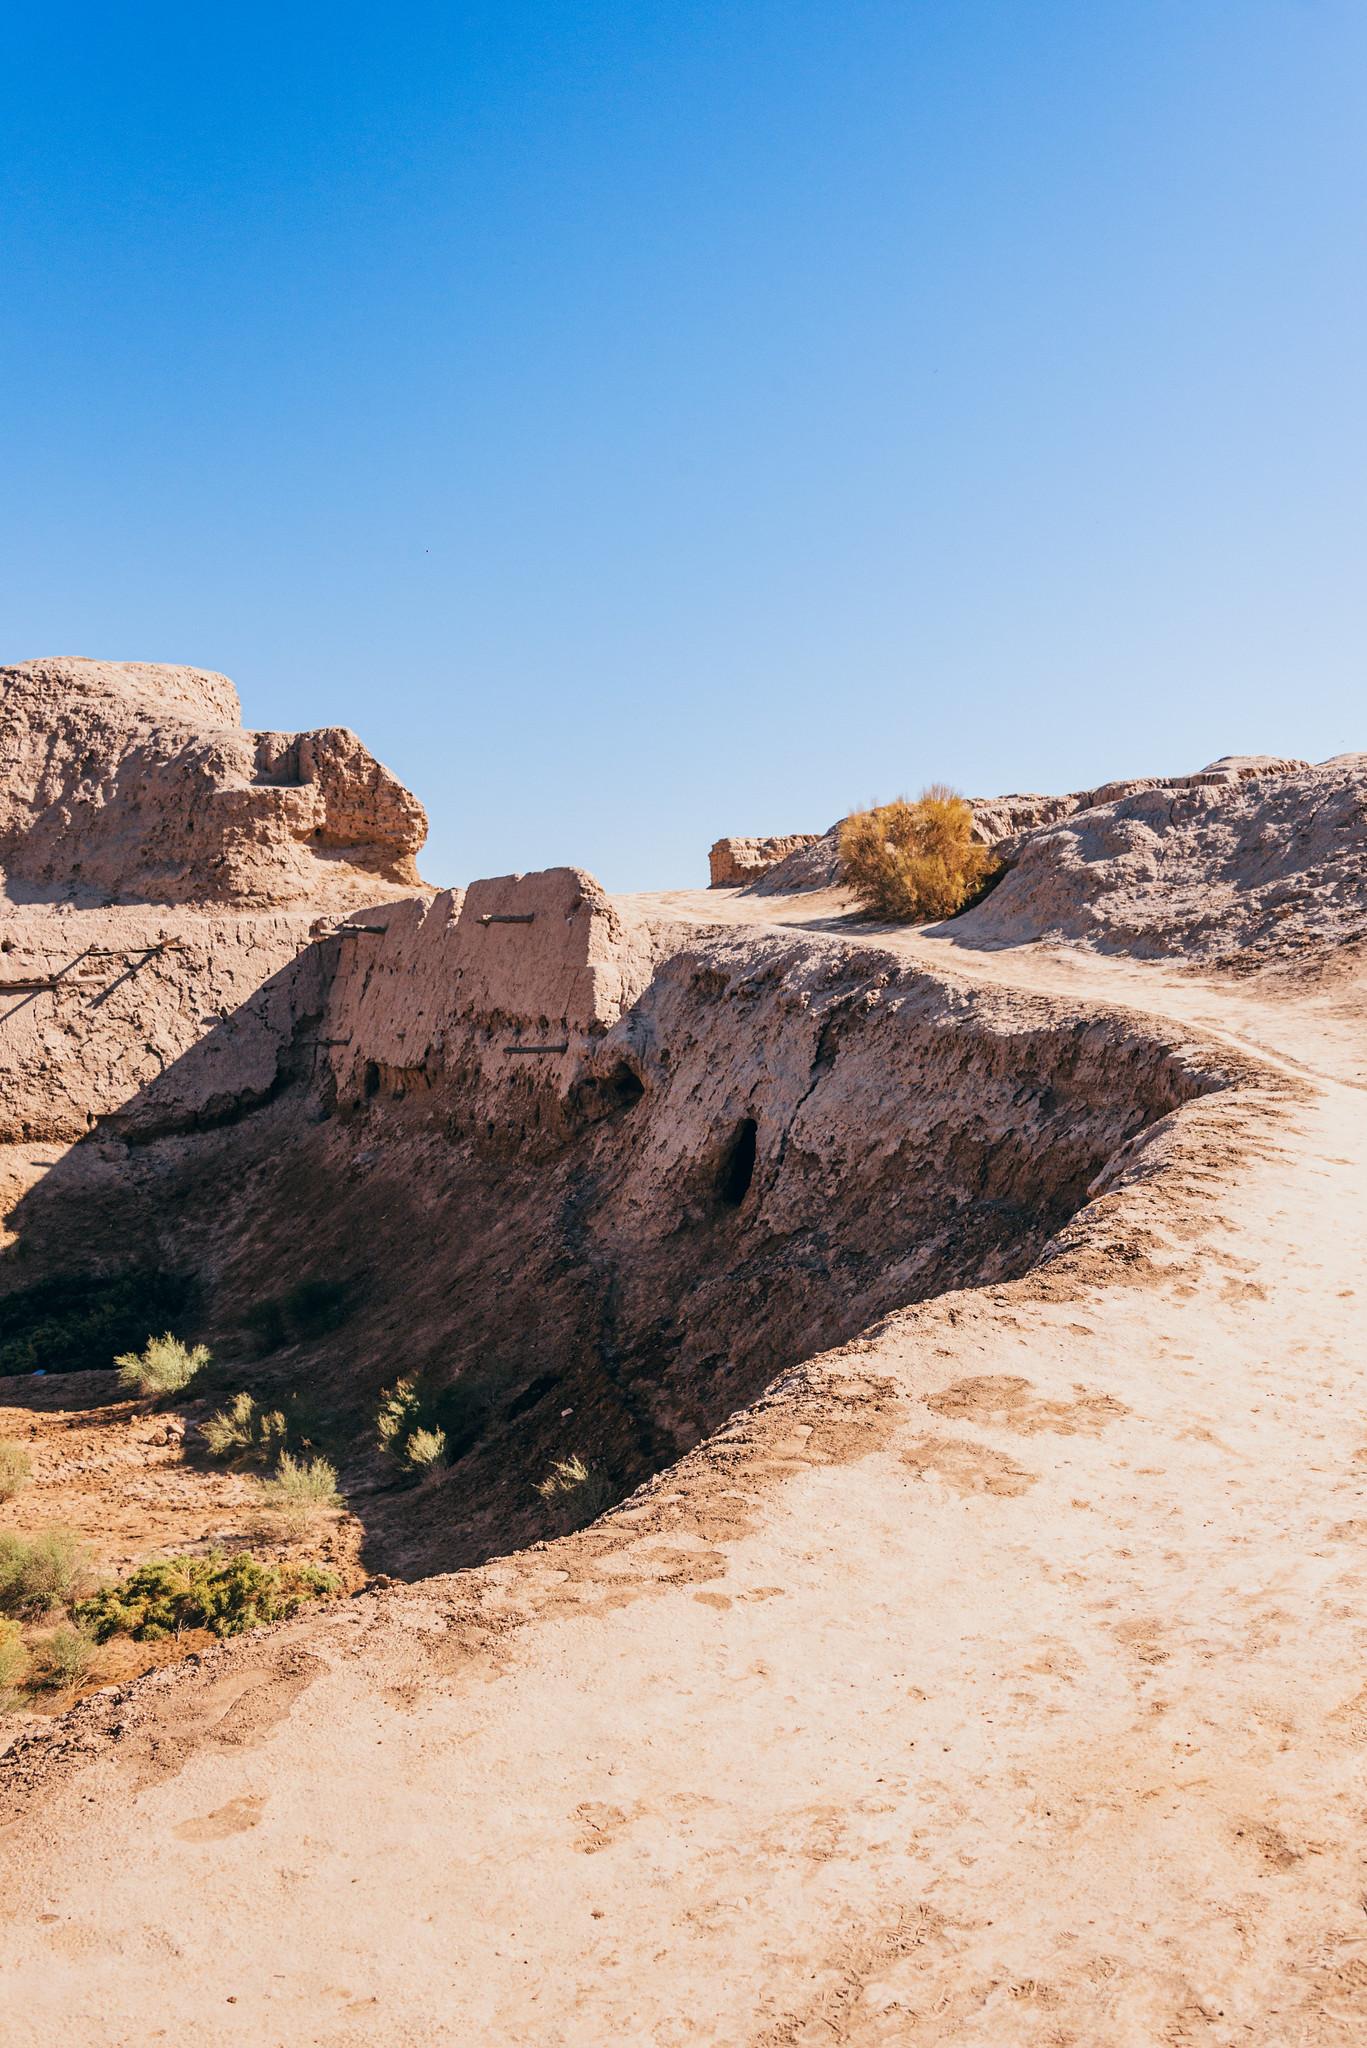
x=644 y=421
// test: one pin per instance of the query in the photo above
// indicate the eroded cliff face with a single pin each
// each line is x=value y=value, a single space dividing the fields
x=607 y=1176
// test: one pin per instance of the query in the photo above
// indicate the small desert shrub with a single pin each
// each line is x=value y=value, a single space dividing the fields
x=905 y=860
x=419 y=1427
x=163 y=1366
x=424 y=1449
x=13 y=1667
x=38 y=1573
x=406 y=1426
x=584 y=1490
x=250 y=1434
x=62 y=1659
x=224 y=1594
x=244 y=1430
x=16 y=1469
x=300 y=1491
x=401 y=1411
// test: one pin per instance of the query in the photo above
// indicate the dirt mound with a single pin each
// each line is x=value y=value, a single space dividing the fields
x=128 y=782
x=1223 y=865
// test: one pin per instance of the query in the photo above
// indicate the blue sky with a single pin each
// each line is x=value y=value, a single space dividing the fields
x=647 y=421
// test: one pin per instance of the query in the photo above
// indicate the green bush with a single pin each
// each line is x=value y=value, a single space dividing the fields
x=401 y=1411
x=915 y=861
x=164 y=1366
x=62 y=1659
x=76 y=1322
x=16 y=1469
x=424 y=1449
x=224 y=1594
x=584 y=1490
x=250 y=1434
x=300 y=1491
x=418 y=1427
x=13 y=1667
x=245 y=1430
x=38 y=1573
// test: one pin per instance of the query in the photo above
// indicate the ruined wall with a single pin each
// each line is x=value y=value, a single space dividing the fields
x=734 y=862
x=127 y=782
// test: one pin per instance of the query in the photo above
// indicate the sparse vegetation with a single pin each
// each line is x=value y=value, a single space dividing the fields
x=61 y=1660
x=407 y=1428
x=915 y=860
x=244 y=1430
x=13 y=1667
x=583 y=1491
x=300 y=1491
x=247 y=1433
x=425 y=1448
x=76 y=1322
x=419 y=1428
x=40 y=1573
x=16 y=1469
x=163 y=1366
x=223 y=1594
x=401 y=1411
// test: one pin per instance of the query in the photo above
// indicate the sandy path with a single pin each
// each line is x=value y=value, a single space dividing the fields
x=1003 y=1680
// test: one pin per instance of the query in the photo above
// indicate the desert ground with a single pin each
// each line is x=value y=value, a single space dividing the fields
x=966 y=1325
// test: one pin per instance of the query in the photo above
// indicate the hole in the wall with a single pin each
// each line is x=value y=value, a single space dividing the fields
x=601 y=1095
x=370 y=1079
x=738 y=1168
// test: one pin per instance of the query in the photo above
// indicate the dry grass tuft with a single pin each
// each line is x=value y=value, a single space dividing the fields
x=301 y=1492
x=582 y=1491
x=16 y=1469
x=915 y=861
x=42 y=1572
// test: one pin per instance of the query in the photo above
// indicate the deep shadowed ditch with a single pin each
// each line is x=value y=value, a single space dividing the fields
x=776 y=1145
